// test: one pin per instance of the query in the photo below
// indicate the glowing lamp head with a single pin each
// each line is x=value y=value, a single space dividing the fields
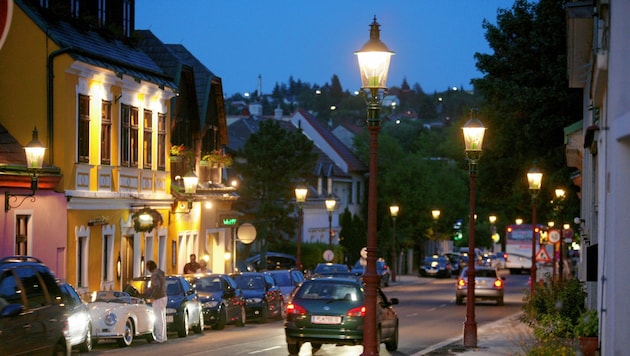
x=374 y=58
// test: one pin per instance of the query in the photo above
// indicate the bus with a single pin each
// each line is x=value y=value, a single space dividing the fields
x=518 y=246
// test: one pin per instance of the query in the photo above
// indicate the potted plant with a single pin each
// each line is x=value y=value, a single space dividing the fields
x=587 y=332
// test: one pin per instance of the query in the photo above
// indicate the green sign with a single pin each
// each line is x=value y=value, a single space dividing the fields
x=229 y=221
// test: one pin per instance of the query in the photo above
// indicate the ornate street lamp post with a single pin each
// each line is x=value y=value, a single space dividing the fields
x=473 y=140
x=534 y=179
x=374 y=58
x=393 y=211
x=330 y=207
x=300 y=198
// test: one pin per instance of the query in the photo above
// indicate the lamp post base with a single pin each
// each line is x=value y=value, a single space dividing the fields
x=470 y=333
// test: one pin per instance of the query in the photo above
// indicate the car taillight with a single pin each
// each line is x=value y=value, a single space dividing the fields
x=498 y=283
x=295 y=309
x=461 y=282
x=358 y=311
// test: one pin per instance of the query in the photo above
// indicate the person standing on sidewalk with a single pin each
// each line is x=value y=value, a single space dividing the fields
x=157 y=293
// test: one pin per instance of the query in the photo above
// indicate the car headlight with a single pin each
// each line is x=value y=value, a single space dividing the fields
x=110 y=319
x=254 y=300
x=211 y=304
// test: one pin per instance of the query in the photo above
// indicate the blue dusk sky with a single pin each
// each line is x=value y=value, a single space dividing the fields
x=238 y=40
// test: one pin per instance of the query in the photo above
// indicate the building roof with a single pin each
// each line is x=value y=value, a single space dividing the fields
x=91 y=46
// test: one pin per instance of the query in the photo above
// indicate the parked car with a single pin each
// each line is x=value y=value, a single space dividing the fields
x=79 y=319
x=329 y=268
x=183 y=308
x=287 y=280
x=436 y=266
x=331 y=311
x=273 y=260
x=32 y=319
x=221 y=299
x=488 y=285
x=118 y=315
x=263 y=298
x=382 y=269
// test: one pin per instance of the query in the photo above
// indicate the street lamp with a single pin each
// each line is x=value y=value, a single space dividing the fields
x=436 y=215
x=560 y=195
x=300 y=198
x=473 y=140
x=330 y=206
x=493 y=232
x=534 y=179
x=34 y=151
x=374 y=58
x=393 y=211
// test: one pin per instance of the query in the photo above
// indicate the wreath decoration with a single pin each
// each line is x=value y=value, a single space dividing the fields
x=142 y=224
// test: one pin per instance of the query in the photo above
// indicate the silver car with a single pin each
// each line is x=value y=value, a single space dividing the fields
x=488 y=285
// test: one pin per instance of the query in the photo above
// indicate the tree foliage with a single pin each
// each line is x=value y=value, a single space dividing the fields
x=274 y=160
x=528 y=104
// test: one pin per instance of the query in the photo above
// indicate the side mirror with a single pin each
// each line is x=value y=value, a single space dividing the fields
x=393 y=301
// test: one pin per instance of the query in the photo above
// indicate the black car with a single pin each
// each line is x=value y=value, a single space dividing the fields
x=287 y=280
x=32 y=317
x=263 y=298
x=436 y=266
x=79 y=320
x=183 y=308
x=457 y=262
x=273 y=260
x=222 y=302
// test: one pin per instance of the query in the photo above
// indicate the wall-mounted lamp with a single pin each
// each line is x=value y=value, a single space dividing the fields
x=190 y=187
x=34 y=160
x=118 y=267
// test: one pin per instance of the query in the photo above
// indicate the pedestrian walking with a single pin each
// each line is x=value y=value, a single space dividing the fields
x=157 y=293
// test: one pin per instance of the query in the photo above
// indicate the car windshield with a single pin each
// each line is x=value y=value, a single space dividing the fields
x=332 y=268
x=173 y=287
x=115 y=297
x=328 y=291
x=208 y=284
x=282 y=279
x=486 y=273
x=250 y=282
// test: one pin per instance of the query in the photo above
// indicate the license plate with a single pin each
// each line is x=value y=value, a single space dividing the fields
x=325 y=319
x=169 y=318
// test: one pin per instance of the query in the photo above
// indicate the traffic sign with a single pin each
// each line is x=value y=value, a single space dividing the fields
x=542 y=255
x=554 y=236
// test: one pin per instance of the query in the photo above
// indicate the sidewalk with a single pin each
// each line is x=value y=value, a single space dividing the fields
x=507 y=336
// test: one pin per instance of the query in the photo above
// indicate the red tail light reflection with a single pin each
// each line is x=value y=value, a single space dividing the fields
x=358 y=311
x=294 y=309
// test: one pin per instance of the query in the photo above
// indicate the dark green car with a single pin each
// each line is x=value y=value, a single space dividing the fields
x=330 y=310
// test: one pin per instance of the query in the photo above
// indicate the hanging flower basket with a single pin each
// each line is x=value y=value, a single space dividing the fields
x=218 y=158
x=146 y=219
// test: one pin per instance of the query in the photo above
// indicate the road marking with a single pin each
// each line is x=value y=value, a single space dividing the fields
x=264 y=350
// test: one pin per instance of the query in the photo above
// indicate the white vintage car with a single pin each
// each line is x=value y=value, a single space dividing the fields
x=117 y=315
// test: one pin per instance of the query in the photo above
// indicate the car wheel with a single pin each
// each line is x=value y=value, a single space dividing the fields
x=183 y=332
x=198 y=329
x=264 y=312
x=392 y=343
x=86 y=346
x=459 y=301
x=128 y=333
x=316 y=346
x=221 y=320
x=281 y=312
x=293 y=346
x=242 y=318
x=500 y=301
x=60 y=349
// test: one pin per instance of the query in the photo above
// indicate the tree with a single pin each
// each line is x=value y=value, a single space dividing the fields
x=528 y=103
x=271 y=163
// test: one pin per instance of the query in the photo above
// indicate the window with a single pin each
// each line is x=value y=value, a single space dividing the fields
x=161 y=149
x=106 y=132
x=129 y=136
x=21 y=235
x=126 y=20
x=82 y=260
x=147 y=146
x=102 y=12
x=107 y=257
x=83 y=132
